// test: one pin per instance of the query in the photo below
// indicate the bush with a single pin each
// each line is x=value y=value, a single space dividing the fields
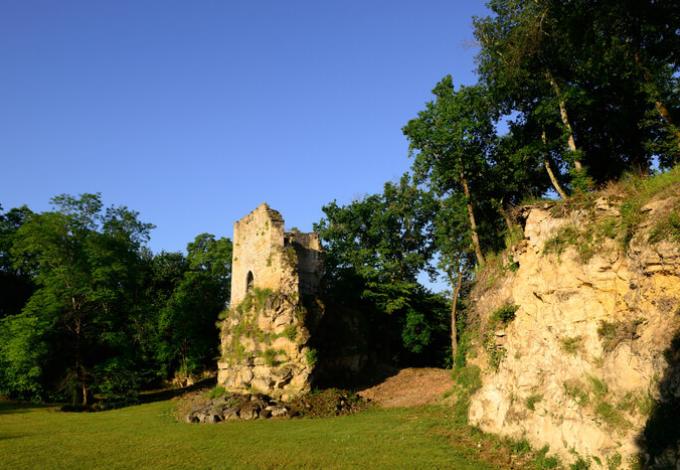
x=504 y=314
x=571 y=345
x=613 y=333
x=532 y=400
x=216 y=392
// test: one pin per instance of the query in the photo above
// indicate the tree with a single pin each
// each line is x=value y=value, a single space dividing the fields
x=375 y=249
x=451 y=142
x=16 y=284
x=604 y=71
x=186 y=322
x=86 y=258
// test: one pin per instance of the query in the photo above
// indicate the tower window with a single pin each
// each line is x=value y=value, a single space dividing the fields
x=249 y=281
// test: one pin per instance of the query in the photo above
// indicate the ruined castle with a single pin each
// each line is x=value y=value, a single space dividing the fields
x=265 y=335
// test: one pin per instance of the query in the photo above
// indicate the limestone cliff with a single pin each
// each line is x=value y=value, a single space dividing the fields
x=578 y=333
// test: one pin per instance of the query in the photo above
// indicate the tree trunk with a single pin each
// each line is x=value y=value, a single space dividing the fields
x=84 y=391
x=571 y=141
x=658 y=104
x=551 y=175
x=454 y=307
x=473 y=223
x=506 y=217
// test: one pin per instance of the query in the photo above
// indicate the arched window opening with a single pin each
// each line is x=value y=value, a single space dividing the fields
x=249 y=281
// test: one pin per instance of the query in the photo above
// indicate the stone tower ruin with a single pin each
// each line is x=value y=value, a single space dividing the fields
x=265 y=335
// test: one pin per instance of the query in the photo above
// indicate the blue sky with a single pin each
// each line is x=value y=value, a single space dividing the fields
x=193 y=113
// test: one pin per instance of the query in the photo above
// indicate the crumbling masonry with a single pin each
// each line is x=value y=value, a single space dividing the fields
x=265 y=335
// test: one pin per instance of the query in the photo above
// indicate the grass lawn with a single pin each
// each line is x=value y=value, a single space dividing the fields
x=147 y=436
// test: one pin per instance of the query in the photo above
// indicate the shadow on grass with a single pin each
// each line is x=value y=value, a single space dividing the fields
x=659 y=441
x=167 y=394
x=14 y=407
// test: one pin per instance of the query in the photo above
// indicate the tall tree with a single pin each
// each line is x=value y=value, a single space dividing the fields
x=375 y=249
x=186 y=323
x=451 y=141
x=16 y=284
x=86 y=258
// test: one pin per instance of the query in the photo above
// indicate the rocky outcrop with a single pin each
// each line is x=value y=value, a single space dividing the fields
x=579 y=338
x=231 y=406
x=264 y=346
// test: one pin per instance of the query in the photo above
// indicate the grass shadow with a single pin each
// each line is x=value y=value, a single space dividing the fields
x=167 y=394
x=14 y=407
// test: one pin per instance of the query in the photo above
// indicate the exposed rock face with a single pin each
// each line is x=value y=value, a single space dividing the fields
x=264 y=339
x=592 y=356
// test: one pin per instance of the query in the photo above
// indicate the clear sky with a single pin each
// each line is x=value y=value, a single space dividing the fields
x=194 y=112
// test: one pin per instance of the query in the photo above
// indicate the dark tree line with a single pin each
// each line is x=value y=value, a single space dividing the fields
x=88 y=310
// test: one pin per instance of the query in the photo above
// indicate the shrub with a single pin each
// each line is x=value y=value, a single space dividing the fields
x=216 y=392
x=312 y=356
x=600 y=388
x=571 y=345
x=532 y=400
x=269 y=356
x=290 y=332
x=613 y=333
x=576 y=391
x=504 y=314
x=668 y=228
x=610 y=415
x=580 y=464
x=614 y=461
x=543 y=461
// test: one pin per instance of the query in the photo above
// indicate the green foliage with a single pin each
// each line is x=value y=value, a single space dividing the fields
x=290 y=332
x=638 y=192
x=577 y=392
x=642 y=403
x=542 y=60
x=105 y=317
x=520 y=447
x=614 y=333
x=216 y=392
x=668 y=228
x=499 y=318
x=614 y=461
x=580 y=464
x=375 y=248
x=599 y=387
x=504 y=314
x=311 y=356
x=571 y=345
x=496 y=356
x=610 y=415
x=270 y=355
x=467 y=381
x=532 y=400
x=542 y=461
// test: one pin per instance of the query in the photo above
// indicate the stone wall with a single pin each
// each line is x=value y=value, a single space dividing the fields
x=590 y=365
x=265 y=335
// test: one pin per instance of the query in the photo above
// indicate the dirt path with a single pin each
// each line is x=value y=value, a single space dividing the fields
x=410 y=387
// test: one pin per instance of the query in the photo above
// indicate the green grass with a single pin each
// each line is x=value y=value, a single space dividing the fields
x=147 y=436
x=610 y=415
x=631 y=193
